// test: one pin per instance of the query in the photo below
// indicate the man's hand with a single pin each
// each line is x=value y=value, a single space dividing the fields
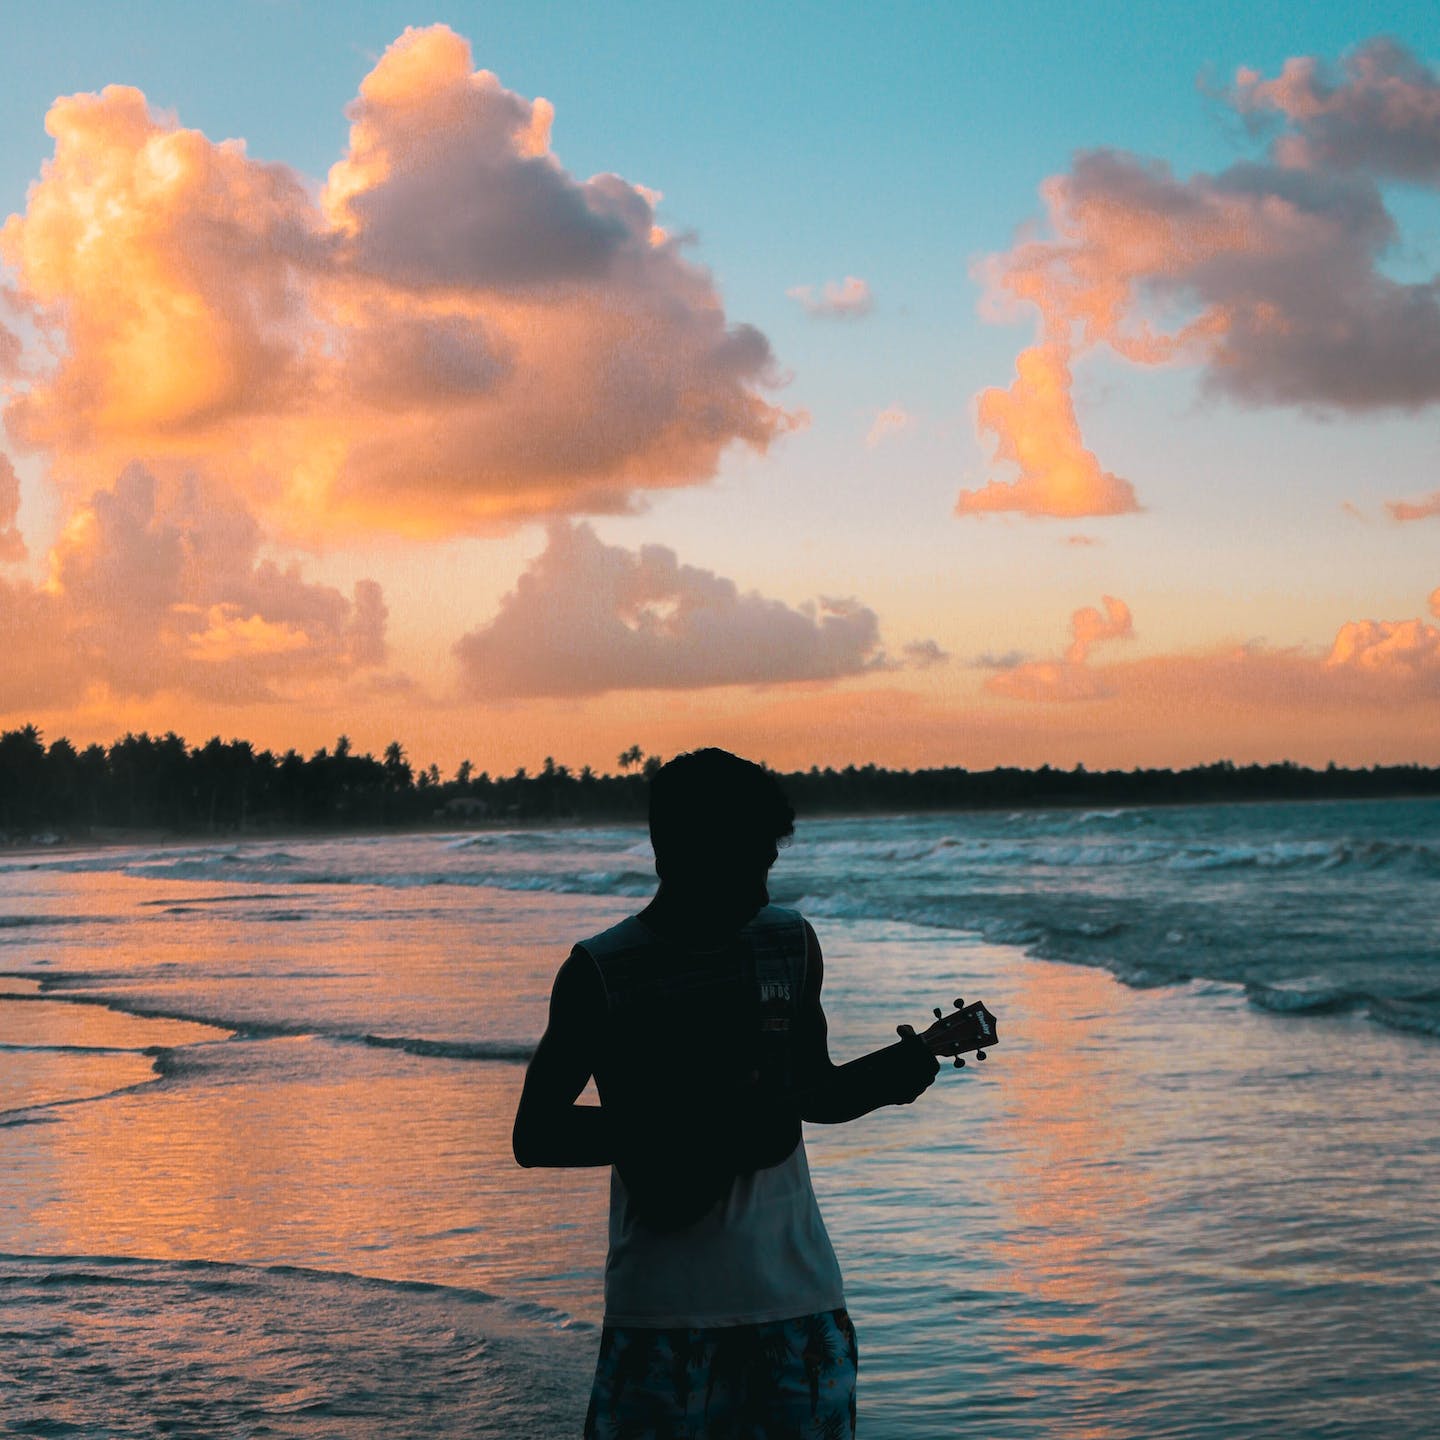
x=915 y=1068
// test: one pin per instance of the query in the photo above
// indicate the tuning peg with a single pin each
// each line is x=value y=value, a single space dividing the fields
x=938 y=1012
x=959 y=1003
x=959 y=1063
x=979 y=1054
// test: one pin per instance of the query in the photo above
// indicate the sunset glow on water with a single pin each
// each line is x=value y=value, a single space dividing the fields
x=1151 y=1209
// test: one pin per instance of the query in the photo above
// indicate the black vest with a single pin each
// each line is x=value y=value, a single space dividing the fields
x=694 y=1061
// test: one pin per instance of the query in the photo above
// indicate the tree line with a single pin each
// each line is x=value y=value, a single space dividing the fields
x=161 y=782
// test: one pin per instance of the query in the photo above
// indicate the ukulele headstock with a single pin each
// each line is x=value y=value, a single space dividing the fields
x=966 y=1028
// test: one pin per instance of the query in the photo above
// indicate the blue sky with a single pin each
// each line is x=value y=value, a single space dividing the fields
x=804 y=143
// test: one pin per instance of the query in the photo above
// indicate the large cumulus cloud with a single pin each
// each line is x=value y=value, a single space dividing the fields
x=161 y=587
x=588 y=617
x=452 y=333
x=1266 y=275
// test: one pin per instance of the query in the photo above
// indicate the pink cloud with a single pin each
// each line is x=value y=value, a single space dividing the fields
x=1405 y=510
x=1090 y=627
x=1371 y=666
x=12 y=545
x=587 y=617
x=1070 y=678
x=1266 y=275
x=1382 y=115
x=449 y=182
x=1046 y=681
x=846 y=299
x=10 y=351
x=159 y=586
x=1388 y=648
x=889 y=421
x=454 y=334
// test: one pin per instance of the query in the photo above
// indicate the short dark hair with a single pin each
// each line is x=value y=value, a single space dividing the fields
x=709 y=805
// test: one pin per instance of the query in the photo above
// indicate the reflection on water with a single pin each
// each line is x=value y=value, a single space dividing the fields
x=1149 y=1213
x=291 y=1151
x=1071 y=1189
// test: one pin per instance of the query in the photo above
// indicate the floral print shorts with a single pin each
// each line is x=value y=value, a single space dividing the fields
x=782 y=1380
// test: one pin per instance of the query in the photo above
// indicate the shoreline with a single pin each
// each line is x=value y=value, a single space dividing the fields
x=116 y=837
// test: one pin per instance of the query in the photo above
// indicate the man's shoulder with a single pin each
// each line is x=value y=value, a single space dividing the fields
x=630 y=934
x=778 y=918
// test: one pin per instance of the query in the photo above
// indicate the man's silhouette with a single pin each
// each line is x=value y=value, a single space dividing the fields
x=700 y=1019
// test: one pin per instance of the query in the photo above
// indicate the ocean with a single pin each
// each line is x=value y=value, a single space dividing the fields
x=256 y=1098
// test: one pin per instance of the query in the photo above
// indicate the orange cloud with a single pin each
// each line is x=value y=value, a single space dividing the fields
x=12 y=546
x=846 y=299
x=1090 y=627
x=454 y=334
x=1049 y=680
x=1266 y=275
x=1398 y=649
x=1404 y=510
x=1375 y=665
x=1034 y=426
x=587 y=618
x=888 y=421
x=10 y=352
x=1070 y=678
x=159 y=586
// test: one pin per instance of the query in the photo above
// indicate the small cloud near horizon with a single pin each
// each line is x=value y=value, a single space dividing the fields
x=922 y=654
x=990 y=660
x=888 y=421
x=1405 y=511
x=846 y=299
x=1370 y=664
x=1069 y=678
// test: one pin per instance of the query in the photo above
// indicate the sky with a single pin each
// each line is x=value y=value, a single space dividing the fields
x=946 y=384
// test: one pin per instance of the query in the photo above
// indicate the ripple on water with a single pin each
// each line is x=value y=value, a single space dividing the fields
x=57 y=1051
x=136 y=1349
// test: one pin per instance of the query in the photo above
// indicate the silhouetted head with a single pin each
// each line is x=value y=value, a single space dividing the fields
x=716 y=822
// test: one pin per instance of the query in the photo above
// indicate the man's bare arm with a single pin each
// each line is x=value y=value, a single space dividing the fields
x=550 y=1128
x=832 y=1094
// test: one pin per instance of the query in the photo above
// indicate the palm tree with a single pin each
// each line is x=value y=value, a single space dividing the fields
x=397 y=767
x=22 y=776
x=633 y=756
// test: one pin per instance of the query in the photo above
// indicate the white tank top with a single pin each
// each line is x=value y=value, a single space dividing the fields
x=761 y=1252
